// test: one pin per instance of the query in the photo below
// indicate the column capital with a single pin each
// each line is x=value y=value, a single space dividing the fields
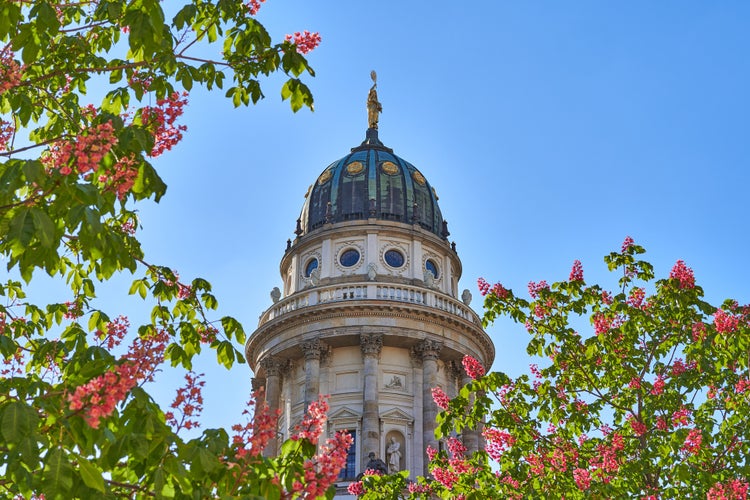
x=371 y=343
x=314 y=348
x=273 y=366
x=428 y=349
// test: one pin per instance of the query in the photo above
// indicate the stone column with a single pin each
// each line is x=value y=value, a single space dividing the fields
x=371 y=345
x=313 y=350
x=273 y=368
x=470 y=436
x=430 y=352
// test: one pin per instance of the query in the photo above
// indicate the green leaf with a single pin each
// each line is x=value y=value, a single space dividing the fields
x=18 y=420
x=91 y=474
x=58 y=474
x=45 y=228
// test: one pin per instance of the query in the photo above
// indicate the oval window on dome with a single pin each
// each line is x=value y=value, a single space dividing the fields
x=432 y=267
x=394 y=258
x=311 y=266
x=349 y=258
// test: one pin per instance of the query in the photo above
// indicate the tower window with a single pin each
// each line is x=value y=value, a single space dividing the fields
x=311 y=266
x=349 y=258
x=394 y=258
x=432 y=267
x=349 y=470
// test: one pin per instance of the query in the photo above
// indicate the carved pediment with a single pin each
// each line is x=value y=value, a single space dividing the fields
x=344 y=414
x=396 y=415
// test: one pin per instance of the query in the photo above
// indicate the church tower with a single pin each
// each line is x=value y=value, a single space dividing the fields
x=369 y=311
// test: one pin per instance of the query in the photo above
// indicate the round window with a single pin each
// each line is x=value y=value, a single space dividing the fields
x=311 y=266
x=432 y=267
x=349 y=258
x=394 y=258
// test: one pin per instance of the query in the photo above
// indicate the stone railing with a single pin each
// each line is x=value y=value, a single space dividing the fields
x=370 y=292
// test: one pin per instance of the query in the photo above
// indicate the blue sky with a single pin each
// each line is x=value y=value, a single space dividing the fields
x=550 y=130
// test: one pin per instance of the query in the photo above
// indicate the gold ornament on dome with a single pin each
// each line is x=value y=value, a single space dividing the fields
x=435 y=193
x=418 y=177
x=389 y=167
x=354 y=168
x=324 y=177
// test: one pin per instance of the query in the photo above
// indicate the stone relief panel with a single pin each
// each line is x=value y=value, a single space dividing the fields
x=394 y=381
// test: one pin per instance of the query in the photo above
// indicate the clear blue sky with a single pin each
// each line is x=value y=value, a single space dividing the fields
x=550 y=130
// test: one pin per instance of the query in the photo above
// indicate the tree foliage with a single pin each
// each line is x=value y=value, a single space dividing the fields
x=642 y=392
x=76 y=420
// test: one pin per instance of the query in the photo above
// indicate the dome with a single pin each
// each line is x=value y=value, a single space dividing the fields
x=371 y=183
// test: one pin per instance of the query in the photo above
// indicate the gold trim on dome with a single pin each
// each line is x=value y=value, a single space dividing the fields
x=389 y=167
x=354 y=168
x=418 y=177
x=325 y=177
x=435 y=193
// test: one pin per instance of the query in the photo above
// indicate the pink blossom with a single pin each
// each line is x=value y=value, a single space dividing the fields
x=440 y=398
x=635 y=383
x=658 y=386
x=734 y=489
x=161 y=119
x=304 y=41
x=725 y=322
x=483 y=286
x=445 y=476
x=10 y=70
x=431 y=452
x=602 y=323
x=639 y=428
x=684 y=274
x=535 y=288
x=693 y=442
x=254 y=6
x=498 y=441
x=681 y=417
x=635 y=299
x=626 y=244
x=582 y=478
x=472 y=367
x=6 y=134
x=356 y=488
x=576 y=273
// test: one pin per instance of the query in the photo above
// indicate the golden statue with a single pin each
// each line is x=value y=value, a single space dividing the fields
x=374 y=108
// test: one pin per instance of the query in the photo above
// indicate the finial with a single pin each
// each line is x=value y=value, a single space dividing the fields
x=374 y=108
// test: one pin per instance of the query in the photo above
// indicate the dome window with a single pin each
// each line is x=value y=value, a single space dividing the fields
x=432 y=267
x=311 y=266
x=394 y=258
x=349 y=258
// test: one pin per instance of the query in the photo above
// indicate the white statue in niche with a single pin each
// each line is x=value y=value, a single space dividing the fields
x=394 y=456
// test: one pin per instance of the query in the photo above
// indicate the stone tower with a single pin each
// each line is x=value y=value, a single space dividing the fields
x=369 y=311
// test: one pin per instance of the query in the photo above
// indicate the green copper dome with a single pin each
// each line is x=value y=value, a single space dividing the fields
x=371 y=183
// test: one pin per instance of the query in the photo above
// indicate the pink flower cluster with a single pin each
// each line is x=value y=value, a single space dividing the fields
x=735 y=489
x=6 y=134
x=725 y=322
x=639 y=428
x=84 y=152
x=582 y=477
x=498 y=441
x=636 y=296
x=693 y=442
x=121 y=176
x=162 y=118
x=356 y=488
x=602 y=323
x=99 y=397
x=576 y=273
x=189 y=402
x=10 y=70
x=304 y=41
x=535 y=288
x=441 y=399
x=472 y=367
x=626 y=244
x=254 y=6
x=684 y=274
x=312 y=423
x=253 y=437
x=115 y=332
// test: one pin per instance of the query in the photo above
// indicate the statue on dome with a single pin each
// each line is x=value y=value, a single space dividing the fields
x=374 y=108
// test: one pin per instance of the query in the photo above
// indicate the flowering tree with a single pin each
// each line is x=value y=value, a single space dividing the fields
x=641 y=392
x=75 y=418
